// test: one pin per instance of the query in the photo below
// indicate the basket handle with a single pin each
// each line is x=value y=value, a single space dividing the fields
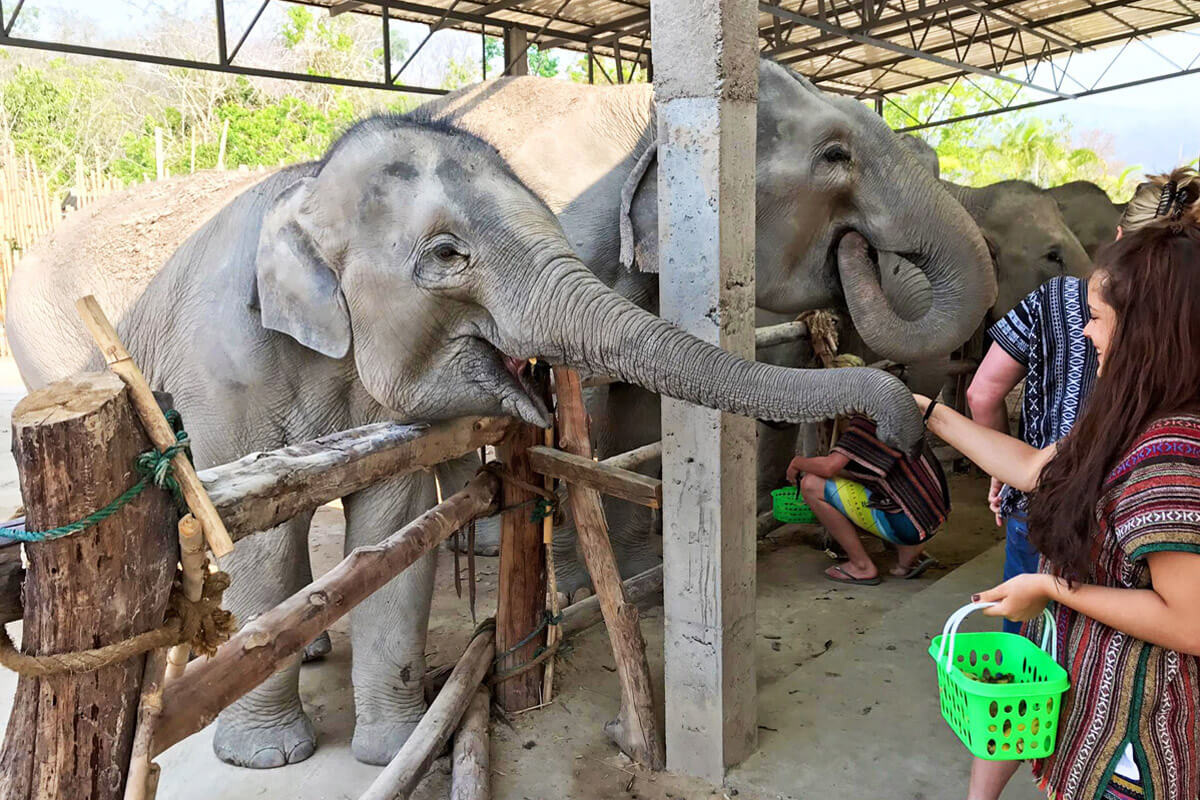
x=950 y=630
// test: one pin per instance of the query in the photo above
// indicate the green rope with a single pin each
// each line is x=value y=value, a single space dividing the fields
x=155 y=468
x=542 y=508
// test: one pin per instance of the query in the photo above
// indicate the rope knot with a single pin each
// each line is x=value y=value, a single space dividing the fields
x=202 y=624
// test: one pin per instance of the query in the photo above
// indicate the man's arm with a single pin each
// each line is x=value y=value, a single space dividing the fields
x=998 y=374
x=825 y=466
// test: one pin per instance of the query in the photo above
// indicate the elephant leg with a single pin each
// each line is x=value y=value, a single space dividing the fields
x=267 y=727
x=630 y=529
x=453 y=476
x=569 y=572
x=388 y=629
x=776 y=448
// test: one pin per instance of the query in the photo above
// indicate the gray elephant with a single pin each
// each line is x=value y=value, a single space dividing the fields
x=406 y=276
x=833 y=188
x=1089 y=212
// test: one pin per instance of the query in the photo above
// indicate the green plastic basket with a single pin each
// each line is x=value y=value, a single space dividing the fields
x=789 y=506
x=1000 y=722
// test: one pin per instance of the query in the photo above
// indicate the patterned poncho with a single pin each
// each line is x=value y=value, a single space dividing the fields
x=1124 y=690
x=898 y=483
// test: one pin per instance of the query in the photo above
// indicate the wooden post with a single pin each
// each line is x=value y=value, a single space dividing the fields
x=470 y=773
x=75 y=443
x=221 y=148
x=522 y=591
x=405 y=770
x=158 y=154
x=192 y=561
x=138 y=781
x=635 y=730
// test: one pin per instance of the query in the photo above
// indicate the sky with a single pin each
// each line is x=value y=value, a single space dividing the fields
x=1155 y=126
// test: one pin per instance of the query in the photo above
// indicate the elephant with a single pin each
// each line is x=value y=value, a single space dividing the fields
x=408 y=275
x=832 y=186
x=1089 y=212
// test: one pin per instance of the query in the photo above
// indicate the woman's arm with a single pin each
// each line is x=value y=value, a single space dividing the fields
x=826 y=466
x=1164 y=615
x=998 y=454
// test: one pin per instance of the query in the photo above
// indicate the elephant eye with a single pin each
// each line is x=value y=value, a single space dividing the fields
x=836 y=154
x=444 y=251
x=1055 y=257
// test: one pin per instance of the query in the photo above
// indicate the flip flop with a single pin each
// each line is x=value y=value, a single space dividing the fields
x=851 y=580
x=918 y=569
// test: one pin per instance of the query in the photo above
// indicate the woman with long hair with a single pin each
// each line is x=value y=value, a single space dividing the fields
x=1115 y=513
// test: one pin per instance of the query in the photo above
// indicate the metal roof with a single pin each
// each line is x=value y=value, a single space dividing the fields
x=863 y=48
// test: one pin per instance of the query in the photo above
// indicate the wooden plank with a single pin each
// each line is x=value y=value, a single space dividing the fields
x=71 y=734
x=612 y=481
x=636 y=457
x=635 y=730
x=470 y=771
x=425 y=743
x=643 y=590
x=159 y=430
x=267 y=642
x=263 y=489
x=778 y=334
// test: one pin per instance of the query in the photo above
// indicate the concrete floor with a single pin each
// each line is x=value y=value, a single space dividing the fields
x=847 y=699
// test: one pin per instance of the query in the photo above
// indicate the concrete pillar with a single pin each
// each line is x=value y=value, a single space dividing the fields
x=706 y=86
x=516 y=42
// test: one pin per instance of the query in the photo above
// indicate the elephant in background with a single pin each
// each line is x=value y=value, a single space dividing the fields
x=833 y=188
x=406 y=276
x=1089 y=212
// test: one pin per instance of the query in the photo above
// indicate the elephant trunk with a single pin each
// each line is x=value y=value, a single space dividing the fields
x=586 y=325
x=954 y=259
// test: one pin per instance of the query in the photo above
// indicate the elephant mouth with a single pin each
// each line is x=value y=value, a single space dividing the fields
x=514 y=388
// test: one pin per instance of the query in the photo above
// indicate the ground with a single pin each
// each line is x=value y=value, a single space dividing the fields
x=847 y=695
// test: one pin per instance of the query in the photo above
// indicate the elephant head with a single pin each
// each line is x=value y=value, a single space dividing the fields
x=835 y=187
x=413 y=251
x=1031 y=240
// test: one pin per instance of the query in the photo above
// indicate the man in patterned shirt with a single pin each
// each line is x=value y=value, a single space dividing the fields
x=1042 y=341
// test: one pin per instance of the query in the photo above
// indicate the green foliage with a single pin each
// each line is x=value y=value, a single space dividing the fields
x=1015 y=145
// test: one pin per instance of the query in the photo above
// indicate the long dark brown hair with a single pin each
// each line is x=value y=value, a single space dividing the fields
x=1151 y=278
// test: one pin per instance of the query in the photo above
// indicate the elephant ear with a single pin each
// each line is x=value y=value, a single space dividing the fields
x=639 y=214
x=298 y=291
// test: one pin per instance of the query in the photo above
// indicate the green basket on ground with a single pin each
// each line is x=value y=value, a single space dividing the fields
x=1000 y=721
x=789 y=506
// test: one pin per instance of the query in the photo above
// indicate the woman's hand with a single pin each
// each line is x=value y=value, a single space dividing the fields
x=922 y=401
x=1020 y=599
x=994 y=490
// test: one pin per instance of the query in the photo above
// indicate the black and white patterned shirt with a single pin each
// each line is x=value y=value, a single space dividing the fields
x=1044 y=333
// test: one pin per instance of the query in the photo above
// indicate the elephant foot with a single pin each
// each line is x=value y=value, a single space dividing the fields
x=378 y=742
x=318 y=648
x=259 y=745
x=571 y=577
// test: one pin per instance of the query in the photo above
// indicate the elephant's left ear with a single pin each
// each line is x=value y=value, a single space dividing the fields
x=298 y=290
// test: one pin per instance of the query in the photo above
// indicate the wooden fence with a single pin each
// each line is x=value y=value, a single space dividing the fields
x=30 y=208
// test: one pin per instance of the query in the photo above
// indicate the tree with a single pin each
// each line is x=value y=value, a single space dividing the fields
x=1015 y=145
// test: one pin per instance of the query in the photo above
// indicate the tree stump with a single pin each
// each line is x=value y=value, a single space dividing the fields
x=75 y=443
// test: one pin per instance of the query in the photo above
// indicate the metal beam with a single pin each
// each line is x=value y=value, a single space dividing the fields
x=883 y=44
x=1021 y=25
x=233 y=69
x=615 y=25
x=233 y=53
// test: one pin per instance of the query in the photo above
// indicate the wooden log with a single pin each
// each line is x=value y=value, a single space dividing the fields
x=192 y=561
x=405 y=770
x=612 y=481
x=75 y=443
x=470 y=771
x=635 y=730
x=120 y=362
x=137 y=783
x=554 y=630
x=270 y=640
x=263 y=489
x=778 y=334
x=636 y=457
x=643 y=590
x=521 y=602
